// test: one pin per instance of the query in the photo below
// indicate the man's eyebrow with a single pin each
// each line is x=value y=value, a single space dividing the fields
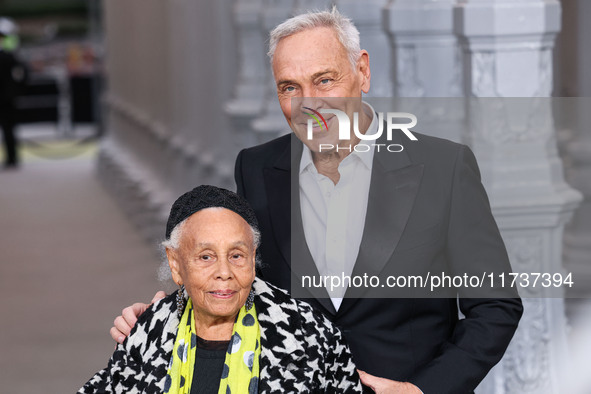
x=321 y=73
x=314 y=76
x=285 y=82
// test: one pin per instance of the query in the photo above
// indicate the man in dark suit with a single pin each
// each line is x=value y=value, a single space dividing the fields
x=12 y=78
x=422 y=210
x=439 y=220
x=427 y=211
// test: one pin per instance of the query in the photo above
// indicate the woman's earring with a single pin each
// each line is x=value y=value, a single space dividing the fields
x=249 y=300
x=180 y=301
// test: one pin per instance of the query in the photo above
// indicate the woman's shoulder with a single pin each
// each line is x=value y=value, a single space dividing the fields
x=270 y=295
x=154 y=320
x=159 y=310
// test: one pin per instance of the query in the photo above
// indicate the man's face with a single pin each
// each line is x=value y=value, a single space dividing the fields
x=313 y=68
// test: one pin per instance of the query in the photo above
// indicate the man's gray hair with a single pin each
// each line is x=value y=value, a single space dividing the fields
x=346 y=31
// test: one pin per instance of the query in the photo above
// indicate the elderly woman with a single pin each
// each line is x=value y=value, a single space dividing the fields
x=225 y=331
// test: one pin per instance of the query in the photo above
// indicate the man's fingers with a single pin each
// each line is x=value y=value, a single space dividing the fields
x=131 y=313
x=158 y=296
x=366 y=379
x=124 y=323
x=122 y=326
x=117 y=335
x=383 y=385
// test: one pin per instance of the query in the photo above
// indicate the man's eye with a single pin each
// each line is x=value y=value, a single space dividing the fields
x=236 y=256
x=206 y=257
x=289 y=89
x=325 y=81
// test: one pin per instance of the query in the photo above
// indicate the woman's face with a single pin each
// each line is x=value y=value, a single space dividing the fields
x=215 y=261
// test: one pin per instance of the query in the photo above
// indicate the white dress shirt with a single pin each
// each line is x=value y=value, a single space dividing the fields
x=333 y=216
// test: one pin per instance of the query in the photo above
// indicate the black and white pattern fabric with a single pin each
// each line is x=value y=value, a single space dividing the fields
x=302 y=352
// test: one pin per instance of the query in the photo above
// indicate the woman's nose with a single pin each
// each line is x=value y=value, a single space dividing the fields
x=224 y=269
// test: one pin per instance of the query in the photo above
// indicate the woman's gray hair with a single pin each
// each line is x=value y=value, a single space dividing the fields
x=346 y=31
x=173 y=242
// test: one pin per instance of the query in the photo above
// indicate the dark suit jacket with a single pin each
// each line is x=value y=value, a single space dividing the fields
x=13 y=75
x=427 y=211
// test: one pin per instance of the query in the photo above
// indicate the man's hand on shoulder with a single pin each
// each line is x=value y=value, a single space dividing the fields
x=387 y=386
x=124 y=323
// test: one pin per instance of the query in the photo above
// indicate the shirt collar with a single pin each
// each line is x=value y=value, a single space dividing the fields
x=306 y=160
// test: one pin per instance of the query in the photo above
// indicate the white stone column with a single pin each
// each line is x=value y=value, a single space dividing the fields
x=508 y=53
x=247 y=101
x=271 y=122
x=426 y=62
x=367 y=16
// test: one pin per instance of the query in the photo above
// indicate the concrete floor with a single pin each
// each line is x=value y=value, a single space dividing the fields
x=69 y=262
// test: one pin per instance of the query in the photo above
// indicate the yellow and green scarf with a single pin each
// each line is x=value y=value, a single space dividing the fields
x=241 y=367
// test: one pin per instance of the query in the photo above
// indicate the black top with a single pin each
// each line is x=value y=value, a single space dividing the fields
x=209 y=363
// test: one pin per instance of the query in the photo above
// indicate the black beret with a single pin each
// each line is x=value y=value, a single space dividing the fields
x=206 y=196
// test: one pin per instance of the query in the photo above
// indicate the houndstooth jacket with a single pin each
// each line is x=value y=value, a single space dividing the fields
x=302 y=352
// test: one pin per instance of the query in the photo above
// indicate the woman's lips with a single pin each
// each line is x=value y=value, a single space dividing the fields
x=223 y=294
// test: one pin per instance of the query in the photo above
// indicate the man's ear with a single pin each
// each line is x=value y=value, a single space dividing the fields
x=173 y=263
x=364 y=70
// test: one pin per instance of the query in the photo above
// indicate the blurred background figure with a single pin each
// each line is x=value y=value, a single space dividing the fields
x=55 y=110
x=13 y=76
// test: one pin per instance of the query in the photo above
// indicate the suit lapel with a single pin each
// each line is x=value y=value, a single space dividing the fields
x=277 y=181
x=395 y=181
